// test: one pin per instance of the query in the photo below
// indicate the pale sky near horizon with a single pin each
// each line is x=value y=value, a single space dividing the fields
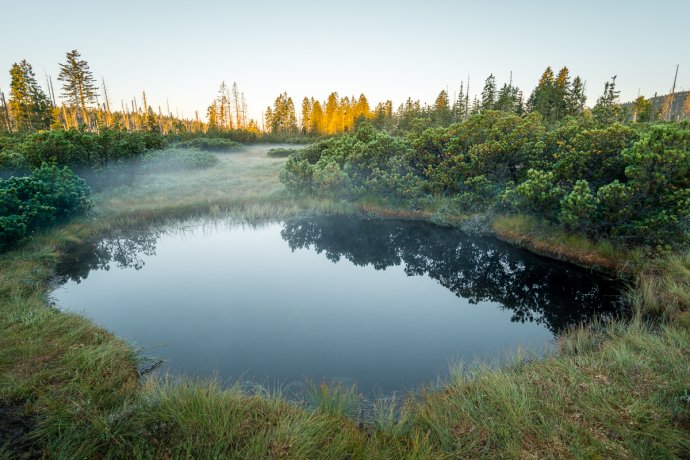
x=386 y=49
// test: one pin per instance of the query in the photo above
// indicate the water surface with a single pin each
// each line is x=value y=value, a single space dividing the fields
x=385 y=305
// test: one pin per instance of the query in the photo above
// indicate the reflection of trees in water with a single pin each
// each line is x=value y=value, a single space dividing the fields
x=475 y=268
x=125 y=251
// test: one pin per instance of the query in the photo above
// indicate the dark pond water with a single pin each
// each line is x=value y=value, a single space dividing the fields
x=385 y=305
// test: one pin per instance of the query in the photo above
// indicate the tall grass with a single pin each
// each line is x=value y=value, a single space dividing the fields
x=618 y=396
x=544 y=238
x=662 y=288
x=337 y=400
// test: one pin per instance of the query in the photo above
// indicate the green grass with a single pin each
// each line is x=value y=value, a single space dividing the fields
x=336 y=400
x=212 y=144
x=614 y=390
x=620 y=397
x=544 y=238
x=178 y=159
x=662 y=288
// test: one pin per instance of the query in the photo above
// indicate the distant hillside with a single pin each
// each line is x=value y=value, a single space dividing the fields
x=676 y=108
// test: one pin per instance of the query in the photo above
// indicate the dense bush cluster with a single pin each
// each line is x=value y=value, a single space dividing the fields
x=241 y=136
x=212 y=144
x=280 y=152
x=76 y=149
x=48 y=196
x=176 y=159
x=352 y=165
x=630 y=183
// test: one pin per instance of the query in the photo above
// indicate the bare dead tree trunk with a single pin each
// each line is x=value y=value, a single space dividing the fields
x=5 y=112
x=108 y=114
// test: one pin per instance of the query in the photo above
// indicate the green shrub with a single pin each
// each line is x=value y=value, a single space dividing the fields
x=630 y=183
x=13 y=162
x=658 y=175
x=78 y=149
x=353 y=165
x=48 y=196
x=615 y=207
x=212 y=144
x=579 y=208
x=174 y=159
x=539 y=194
x=280 y=152
x=595 y=155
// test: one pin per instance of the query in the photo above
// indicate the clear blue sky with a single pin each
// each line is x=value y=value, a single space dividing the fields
x=387 y=49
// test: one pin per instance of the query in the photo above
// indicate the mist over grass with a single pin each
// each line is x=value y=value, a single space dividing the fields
x=212 y=144
x=281 y=152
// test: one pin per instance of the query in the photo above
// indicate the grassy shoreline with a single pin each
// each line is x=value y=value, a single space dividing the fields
x=617 y=390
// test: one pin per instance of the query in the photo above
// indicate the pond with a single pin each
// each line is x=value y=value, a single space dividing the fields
x=385 y=305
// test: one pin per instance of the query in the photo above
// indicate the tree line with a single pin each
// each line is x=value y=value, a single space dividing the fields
x=229 y=111
x=556 y=96
x=84 y=104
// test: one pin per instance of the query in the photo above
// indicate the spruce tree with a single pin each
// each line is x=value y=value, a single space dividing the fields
x=441 y=110
x=642 y=109
x=575 y=97
x=608 y=110
x=212 y=117
x=541 y=99
x=508 y=99
x=79 y=86
x=362 y=109
x=30 y=107
x=489 y=93
x=317 y=119
x=560 y=94
x=460 y=105
x=306 y=115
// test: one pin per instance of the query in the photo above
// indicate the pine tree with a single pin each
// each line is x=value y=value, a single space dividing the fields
x=30 y=107
x=575 y=98
x=152 y=124
x=306 y=115
x=489 y=93
x=607 y=109
x=317 y=118
x=540 y=100
x=362 y=109
x=641 y=110
x=560 y=95
x=441 y=110
x=212 y=117
x=282 y=119
x=79 y=86
x=383 y=115
x=460 y=106
x=268 y=119
x=331 y=114
x=346 y=120
x=508 y=99
x=476 y=106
